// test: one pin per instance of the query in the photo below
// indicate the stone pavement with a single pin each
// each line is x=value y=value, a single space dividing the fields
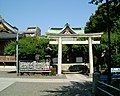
x=7 y=68
x=78 y=77
x=60 y=85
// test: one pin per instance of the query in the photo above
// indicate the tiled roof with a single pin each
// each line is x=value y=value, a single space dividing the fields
x=7 y=27
x=61 y=30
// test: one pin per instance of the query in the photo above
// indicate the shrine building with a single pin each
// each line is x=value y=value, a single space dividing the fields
x=7 y=34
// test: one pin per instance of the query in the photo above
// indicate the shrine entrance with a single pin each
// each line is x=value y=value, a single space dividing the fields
x=68 y=36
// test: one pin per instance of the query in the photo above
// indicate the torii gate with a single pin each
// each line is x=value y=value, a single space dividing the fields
x=89 y=42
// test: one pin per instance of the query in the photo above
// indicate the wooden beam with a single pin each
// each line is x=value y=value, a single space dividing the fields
x=75 y=35
x=74 y=42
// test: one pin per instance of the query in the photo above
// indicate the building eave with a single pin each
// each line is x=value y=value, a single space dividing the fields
x=9 y=36
x=8 y=27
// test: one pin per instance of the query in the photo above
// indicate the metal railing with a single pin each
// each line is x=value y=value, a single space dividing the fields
x=106 y=90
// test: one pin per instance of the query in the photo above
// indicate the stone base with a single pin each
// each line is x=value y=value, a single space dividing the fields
x=90 y=75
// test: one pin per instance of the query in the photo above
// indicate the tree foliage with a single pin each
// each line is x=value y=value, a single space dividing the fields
x=10 y=48
x=100 y=1
x=98 y=21
x=28 y=47
x=98 y=50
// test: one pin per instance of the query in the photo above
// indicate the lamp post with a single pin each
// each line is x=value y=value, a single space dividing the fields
x=109 y=42
x=17 y=64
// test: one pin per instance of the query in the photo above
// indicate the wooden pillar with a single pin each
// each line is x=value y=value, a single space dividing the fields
x=59 y=54
x=90 y=56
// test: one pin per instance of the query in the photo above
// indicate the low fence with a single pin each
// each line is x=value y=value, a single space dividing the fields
x=103 y=89
x=7 y=58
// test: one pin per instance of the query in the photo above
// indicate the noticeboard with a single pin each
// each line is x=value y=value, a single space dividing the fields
x=115 y=69
x=33 y=66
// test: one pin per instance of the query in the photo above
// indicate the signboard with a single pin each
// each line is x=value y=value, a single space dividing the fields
x=115 y=69
x=79 y=59
x=33 y=66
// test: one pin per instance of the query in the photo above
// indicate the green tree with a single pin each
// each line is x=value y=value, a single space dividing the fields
x=116 y=60
x=28 y=47
x=98 y=21
x=115 y=49
x=10 y=48
x=100 y=1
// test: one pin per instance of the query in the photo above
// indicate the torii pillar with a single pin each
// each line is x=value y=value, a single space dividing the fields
x=59 y=55
x=90 y=56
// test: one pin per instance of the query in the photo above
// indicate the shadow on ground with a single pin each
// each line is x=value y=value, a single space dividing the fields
x=75 y=89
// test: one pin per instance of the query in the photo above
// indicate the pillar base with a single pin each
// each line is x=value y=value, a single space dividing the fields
x=90 y=75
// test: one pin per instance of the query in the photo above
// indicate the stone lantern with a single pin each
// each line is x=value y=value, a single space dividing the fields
x=48 y=54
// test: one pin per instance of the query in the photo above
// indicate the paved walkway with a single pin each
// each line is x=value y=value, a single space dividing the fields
x=62 y=85
x=78 y=77
x=7 y=68
x=47 y=89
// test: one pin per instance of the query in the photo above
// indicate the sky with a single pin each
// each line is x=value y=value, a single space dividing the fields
x=46 y=13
